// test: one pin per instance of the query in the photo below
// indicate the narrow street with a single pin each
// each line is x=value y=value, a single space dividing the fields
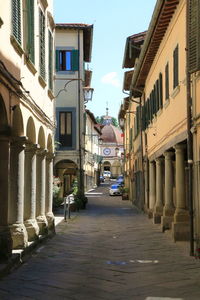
x=108 y=251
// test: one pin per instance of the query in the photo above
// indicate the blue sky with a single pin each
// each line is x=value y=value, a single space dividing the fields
x=114 y=21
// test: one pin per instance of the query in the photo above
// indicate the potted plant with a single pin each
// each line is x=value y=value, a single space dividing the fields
x=124 y=191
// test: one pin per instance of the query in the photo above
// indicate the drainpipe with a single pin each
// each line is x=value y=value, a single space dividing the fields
x=81 y=183
x=189 y=136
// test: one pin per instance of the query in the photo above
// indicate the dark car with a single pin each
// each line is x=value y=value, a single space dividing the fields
x=102 y=179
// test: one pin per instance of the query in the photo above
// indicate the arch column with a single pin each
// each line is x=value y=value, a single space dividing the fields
x=158 y=208
x=16 y=205
x=41 y=191
x=49 y=191
x=30 y=192
x=152 y=187
x=5 y=234
x=180 y=226
x=168 y=211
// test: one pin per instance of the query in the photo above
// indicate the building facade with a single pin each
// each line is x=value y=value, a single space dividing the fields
x=26 y=122
x=73 y=44
x=159 y=88
x=112 y=149
x=92 y=157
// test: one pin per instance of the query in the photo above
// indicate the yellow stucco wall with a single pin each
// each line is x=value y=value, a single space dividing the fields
x=171 y=120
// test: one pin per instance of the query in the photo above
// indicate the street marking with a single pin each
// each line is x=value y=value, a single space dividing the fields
x=89 y=193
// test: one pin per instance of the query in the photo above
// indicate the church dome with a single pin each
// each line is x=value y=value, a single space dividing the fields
x=111 y=134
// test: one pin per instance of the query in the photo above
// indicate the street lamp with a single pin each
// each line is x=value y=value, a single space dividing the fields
x=88 y=93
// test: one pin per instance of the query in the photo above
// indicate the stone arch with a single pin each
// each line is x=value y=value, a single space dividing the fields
x=41 y=138
x=106 y=166
x=18 y=124
x=30 y=131
x=3 y=117
x=66 y=171
x=49 y=144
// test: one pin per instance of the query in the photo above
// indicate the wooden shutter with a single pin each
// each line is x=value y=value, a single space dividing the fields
x=42 y=45
x=57 y=61
x=16 y=19
x=30 y=30
x=167 y=81
x=75 y=60
x=160 y=91
x=50 y=61
x=176 y=67
x=194 y=36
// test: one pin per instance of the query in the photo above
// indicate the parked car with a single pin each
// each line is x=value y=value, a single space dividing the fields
x=102 y=179
x=107 y=174
x=115 y=189
x=120 y=180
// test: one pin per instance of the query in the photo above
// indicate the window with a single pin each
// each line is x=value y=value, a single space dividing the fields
x=176 y=66
x=194 y=36
x=65 y=129
x=167 y=81
x=67 y=60
x=50 y=61
x=42 y=44
x=160 y=91
x=30 y=30
x=16 y=19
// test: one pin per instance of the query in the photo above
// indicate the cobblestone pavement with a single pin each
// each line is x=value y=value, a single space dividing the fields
x=108 y=251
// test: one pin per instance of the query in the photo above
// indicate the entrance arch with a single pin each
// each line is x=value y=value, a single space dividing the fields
x=66 y=172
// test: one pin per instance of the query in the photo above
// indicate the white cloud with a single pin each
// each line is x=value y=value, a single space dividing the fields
x=111 y=78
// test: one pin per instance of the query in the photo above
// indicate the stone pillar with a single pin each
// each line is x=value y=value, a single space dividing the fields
x=158 y=208
x=180 y=226
x=30 y=193
x=40 y=192
x=168 y=211
x=5 y=234
x=152 y=187
x=49 y=192
x=16 y=207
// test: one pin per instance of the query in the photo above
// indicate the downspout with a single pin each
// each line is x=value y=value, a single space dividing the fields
x=81 y=185
x=189 y=136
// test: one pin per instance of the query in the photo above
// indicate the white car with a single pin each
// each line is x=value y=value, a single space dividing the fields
x=115 y=190
x=106 y=174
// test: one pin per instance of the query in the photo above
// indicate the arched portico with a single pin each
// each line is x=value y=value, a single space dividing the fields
x=17 y=159
x=66 y=170
x=5 y=235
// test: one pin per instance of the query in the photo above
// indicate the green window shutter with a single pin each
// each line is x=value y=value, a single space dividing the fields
x=167 y=81
x=160 y=90
x=16 y=19
x=57 y=61
x=176 y=67
x=42 y=45
x=30 y=30
x=75 y=60
x=50 y=61
x=194 y=36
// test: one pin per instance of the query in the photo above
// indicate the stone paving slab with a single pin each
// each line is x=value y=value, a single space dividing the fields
x=109 y=251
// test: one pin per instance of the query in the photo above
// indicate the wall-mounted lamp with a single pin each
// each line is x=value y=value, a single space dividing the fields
x=88 y=93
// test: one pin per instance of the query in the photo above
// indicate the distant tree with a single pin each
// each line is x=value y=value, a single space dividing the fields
x=100 y=120
x=114 y=122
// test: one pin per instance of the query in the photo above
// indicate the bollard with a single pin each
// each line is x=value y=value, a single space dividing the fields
x=68 y=207
x=65 y=208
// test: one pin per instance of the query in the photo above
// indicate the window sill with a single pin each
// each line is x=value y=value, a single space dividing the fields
x=166 y=104
x=50 y=94
x=42 y=81
x=30 y=65
x=175 y=91
x=16 y=45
